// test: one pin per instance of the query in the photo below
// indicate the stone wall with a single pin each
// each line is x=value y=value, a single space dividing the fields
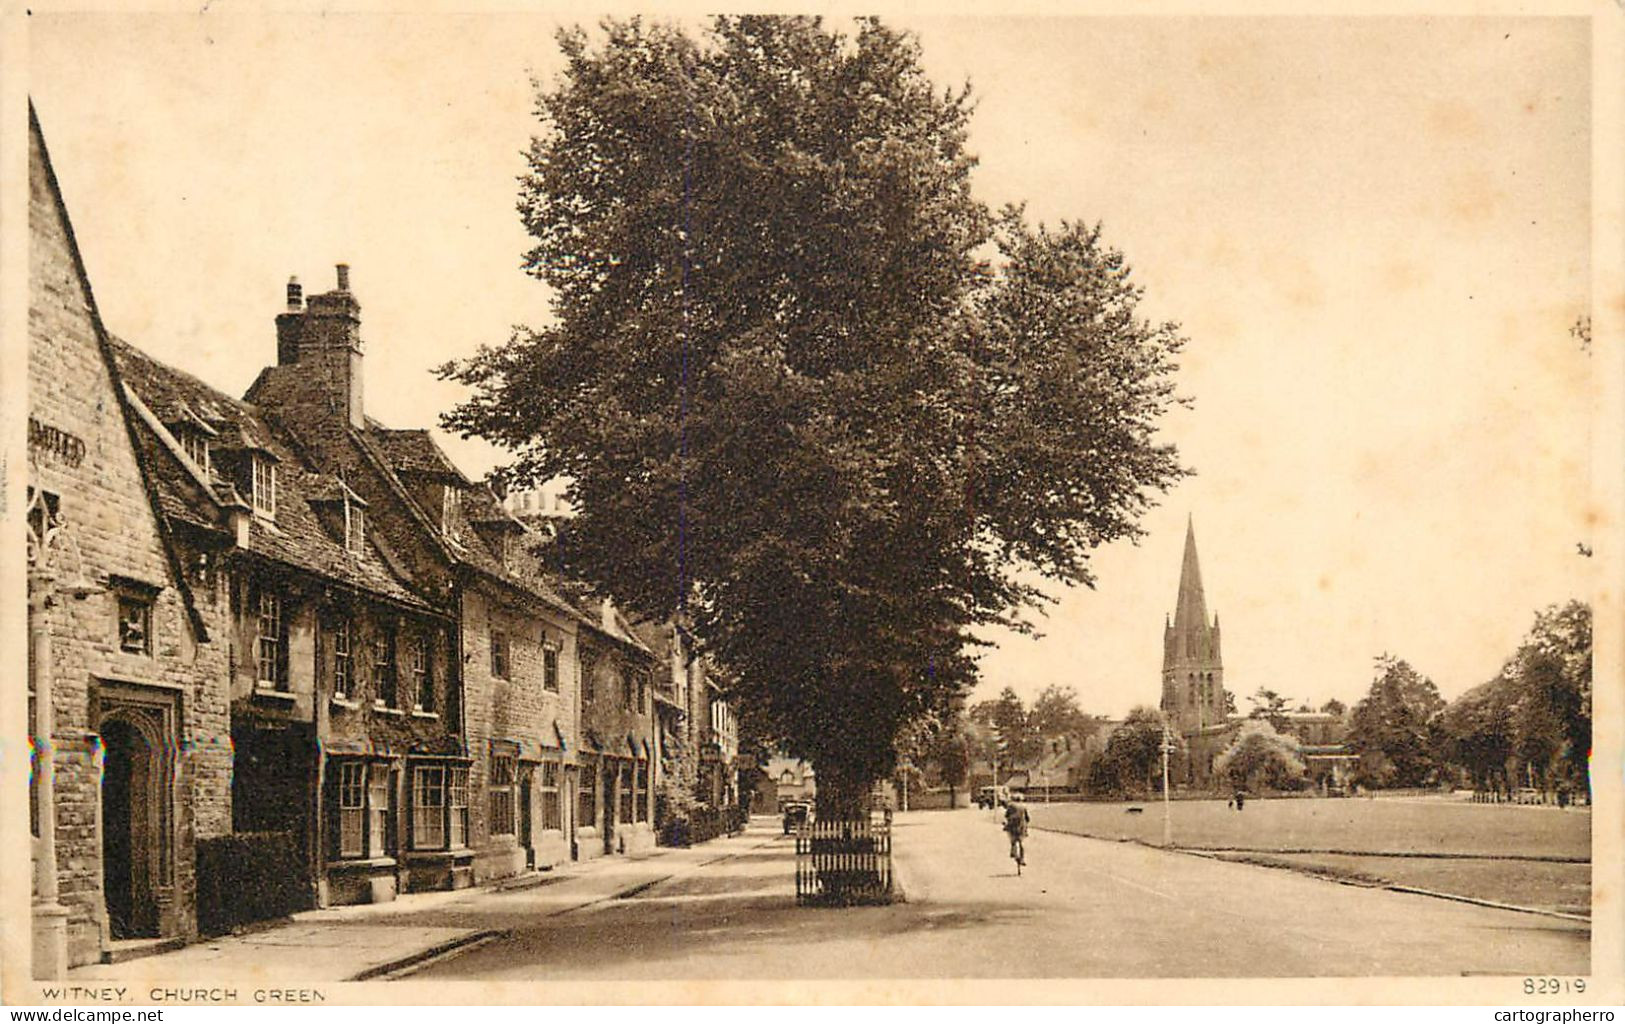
x=112 y=532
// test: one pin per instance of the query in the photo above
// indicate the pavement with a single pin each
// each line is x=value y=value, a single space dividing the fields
x=1083 y=908
x=369 y=941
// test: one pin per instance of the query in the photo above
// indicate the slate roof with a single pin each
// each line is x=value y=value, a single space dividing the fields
x=296 y=537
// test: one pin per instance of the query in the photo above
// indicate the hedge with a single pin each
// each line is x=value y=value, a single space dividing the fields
x=248 y=876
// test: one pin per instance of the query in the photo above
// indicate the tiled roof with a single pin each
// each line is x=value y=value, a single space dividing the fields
x=296 y=537
x=414 y=451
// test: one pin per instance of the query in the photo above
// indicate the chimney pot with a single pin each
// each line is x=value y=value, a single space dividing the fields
x=344 y=277
x=296 y=295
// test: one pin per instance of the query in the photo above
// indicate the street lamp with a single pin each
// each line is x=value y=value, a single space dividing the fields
x=1167 y=802
x=47 y=535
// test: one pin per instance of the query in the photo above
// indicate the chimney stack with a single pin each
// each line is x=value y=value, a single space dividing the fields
x=321 y=336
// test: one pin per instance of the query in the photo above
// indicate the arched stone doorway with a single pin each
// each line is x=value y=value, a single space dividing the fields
x=137 y=838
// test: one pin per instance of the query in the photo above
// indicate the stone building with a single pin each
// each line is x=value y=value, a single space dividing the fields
x=133 y=765
x=518 y=639
x=693 y=724
x=341 y=676
x=1193 y=695
x=1197 y=705
x=618 y=757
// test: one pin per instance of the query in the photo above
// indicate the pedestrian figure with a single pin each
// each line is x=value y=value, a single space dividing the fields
x=1241 y=799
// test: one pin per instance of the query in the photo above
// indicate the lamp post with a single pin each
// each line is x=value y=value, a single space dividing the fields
x=50 y=918
x=1167 y=802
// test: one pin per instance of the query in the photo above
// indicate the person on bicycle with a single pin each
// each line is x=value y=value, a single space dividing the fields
x=1015 y=824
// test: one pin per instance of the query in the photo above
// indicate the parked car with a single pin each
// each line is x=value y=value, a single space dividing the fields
x=992 y=796
x=795 y=815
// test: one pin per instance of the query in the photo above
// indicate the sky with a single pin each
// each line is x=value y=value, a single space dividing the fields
x=1374 y=233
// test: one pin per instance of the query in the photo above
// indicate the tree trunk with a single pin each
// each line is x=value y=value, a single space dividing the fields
x=841 y=795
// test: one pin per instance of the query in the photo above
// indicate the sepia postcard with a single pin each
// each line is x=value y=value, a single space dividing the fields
x=514 y=503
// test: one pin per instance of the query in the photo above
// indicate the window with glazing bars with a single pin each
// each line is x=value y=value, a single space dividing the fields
x=271 y=646
x=642 y=793
x=383 y=668
x=457 y=813
x=422 y=679
x=587 y=795
x=500 y=789
x=429 y=807
x=343 y=665
x=552 y=809
x=624 y=775
x=550 y=667
x=352 y=782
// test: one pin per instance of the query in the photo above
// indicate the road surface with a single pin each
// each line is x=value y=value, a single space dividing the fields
x=1083 y=908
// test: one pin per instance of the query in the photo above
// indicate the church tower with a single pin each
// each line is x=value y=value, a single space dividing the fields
x=1193 y=694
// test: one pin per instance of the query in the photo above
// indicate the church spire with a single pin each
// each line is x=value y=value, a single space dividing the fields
x=1190 y=613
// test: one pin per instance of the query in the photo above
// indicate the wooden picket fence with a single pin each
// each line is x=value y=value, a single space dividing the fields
x=844 y=862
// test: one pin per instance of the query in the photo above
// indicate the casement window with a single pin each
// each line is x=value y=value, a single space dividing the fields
x=196 y=446
x=135 y=624
x=439 y=806
x=589 y=668
x=262 y=483
x=457 y=805
x=552 y=809
x=429 y=807
x=500 y=789
x=383 y=668
x=626 y=688
x=550 y=667
x=451 y=502
x=641 y=793
x=499 y=654
x=422 y=678
x=379 y=799
x=624 y=787
x=271 y=640
x=643 y=692
x=352 y=804
x=587 y=795
x=355 y=528
x=339 y=637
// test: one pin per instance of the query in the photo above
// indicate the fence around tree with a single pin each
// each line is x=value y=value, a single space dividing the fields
x=844 y=862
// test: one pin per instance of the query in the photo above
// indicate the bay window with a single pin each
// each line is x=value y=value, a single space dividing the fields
x=439 y=806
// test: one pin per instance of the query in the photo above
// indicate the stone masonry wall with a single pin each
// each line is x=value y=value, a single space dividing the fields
x=111 y=522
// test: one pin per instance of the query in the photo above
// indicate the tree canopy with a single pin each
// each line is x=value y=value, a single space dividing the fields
x=1260 y=756
x=816 y=401
x=1132 y=760
x=1536 y=712
x=1389 y=727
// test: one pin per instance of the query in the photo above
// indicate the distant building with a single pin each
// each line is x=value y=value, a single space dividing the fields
x=782 y=781
x=1196 y=703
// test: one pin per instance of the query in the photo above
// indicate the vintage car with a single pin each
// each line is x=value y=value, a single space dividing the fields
x=795 y=814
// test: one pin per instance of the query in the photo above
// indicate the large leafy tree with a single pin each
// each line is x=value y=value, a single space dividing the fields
x=1390 y=729
x=1260 y=756
x=1057 y=712
x=1132 y=760
x=815 y=400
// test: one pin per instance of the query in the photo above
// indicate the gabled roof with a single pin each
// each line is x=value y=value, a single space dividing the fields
x=296 y=536
x=415 y=451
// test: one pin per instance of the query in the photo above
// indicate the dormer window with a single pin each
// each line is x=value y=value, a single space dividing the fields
x=451 y=503
x=263 y=483
x=196 y=446
x=355 y=528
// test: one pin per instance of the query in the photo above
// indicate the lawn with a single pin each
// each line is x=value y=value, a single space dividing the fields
x=1535 y=857
x=1520 y=883
x=1438 y=826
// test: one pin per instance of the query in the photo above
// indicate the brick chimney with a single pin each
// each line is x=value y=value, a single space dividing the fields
x=321 y=336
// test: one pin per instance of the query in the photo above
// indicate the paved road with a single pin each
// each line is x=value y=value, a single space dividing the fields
x=1084 y=908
